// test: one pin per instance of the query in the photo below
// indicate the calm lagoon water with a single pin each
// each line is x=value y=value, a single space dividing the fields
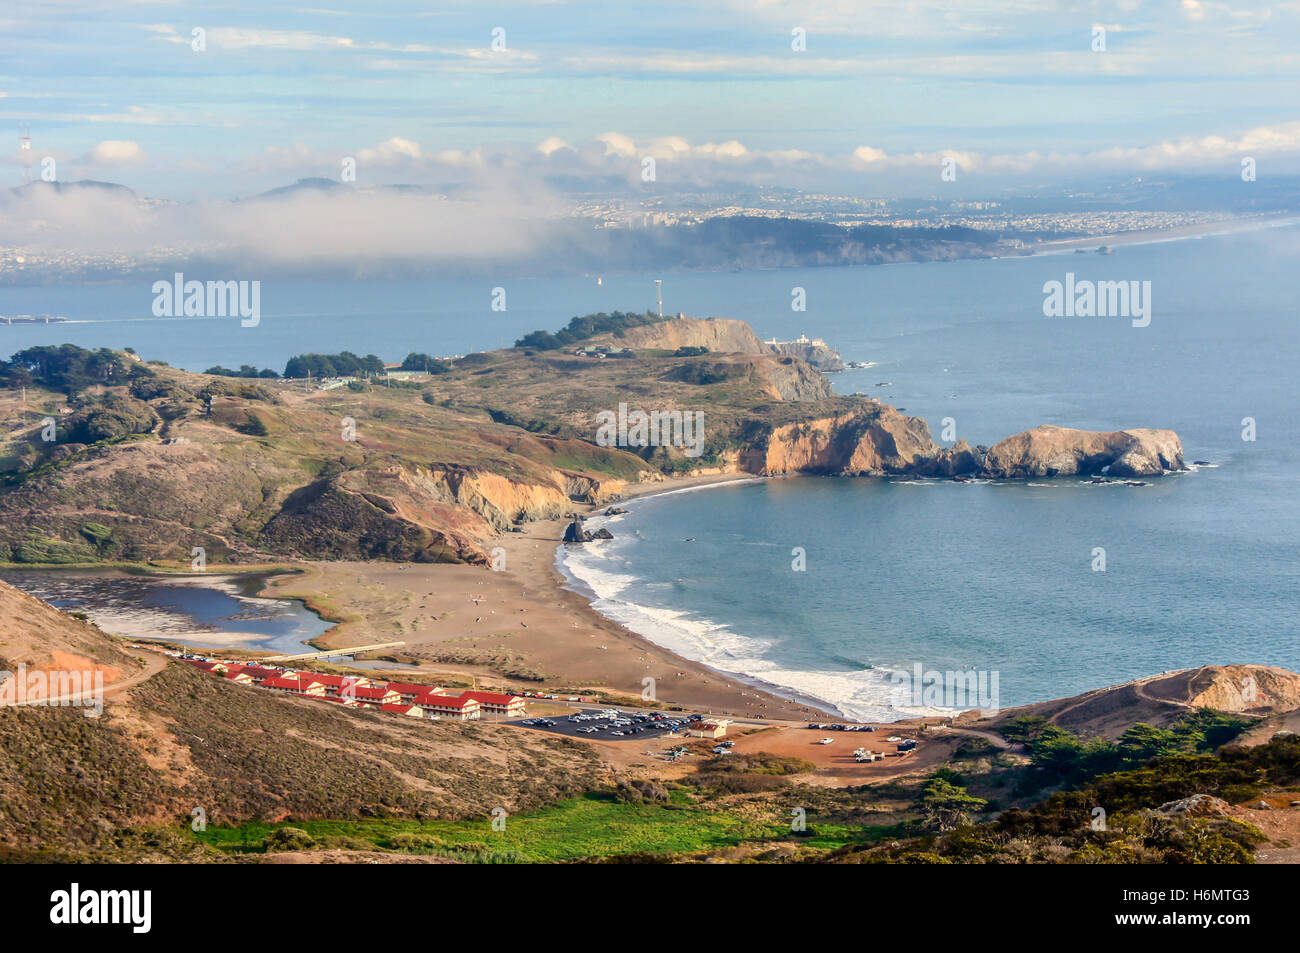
x=213 y=610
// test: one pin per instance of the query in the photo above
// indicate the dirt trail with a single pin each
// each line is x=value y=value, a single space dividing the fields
x=154 y=663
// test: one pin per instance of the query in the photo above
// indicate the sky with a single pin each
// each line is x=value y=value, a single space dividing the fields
x=1015 y=91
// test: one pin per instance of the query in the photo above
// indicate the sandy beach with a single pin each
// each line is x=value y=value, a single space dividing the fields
x=507 y=628
x=1152 y=235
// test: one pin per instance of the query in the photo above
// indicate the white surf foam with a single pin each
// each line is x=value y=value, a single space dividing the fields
x=599 y=574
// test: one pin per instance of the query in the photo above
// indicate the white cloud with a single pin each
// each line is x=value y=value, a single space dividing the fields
x=112 y=151
x=289 y=41
x=391 y=149
x=552 y=144
x=615 y=155
x=617 y=144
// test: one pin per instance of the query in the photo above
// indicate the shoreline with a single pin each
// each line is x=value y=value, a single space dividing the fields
x=523 y=627
x=571 y=582
x=1156 y=236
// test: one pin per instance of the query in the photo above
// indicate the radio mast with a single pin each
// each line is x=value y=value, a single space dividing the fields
x=25 y=146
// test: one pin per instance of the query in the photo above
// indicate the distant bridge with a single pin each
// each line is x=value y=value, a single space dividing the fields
x=333 y=653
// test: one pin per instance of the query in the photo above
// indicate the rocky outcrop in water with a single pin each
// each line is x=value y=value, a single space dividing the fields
x=574 y=533
x=1050 y=451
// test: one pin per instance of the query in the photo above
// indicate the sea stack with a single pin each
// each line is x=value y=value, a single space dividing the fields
x=1049 y=451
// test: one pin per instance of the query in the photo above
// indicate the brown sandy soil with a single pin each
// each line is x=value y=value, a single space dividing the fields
x=1280 y=824
x=835 y=765
x=484 y=624
x=1286 y=721
x=45 y=639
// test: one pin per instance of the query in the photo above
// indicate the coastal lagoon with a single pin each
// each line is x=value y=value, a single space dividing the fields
x=213 y=610
x=1200 y=567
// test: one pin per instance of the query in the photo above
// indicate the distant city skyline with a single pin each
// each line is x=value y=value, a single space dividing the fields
x=1013 y=92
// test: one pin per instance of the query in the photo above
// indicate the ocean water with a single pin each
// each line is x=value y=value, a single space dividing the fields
x=997 y=579
x=992 y=579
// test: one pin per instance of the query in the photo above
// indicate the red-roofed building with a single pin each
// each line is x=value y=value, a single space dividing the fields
x=498 y=703
x=259 y=672
x=414 y=711
x=448 y=706
x=341 y=700
x=410 y=692
x=332 y=683
x=709 y=729
x=295 y=686
x=217 y=668
x=243 y=678
x=372 y=696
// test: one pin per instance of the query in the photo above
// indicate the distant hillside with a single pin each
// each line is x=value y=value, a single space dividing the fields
x=81 y=185
x=152 y=462
x=650 y=332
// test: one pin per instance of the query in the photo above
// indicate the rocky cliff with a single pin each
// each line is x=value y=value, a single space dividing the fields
x=871 y=440
x=1237 y=688
x=820 y=356
x=723 y=336
x=1049 y=451
x=718 y=335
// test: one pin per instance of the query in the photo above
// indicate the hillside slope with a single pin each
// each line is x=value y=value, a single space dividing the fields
x=73 y=787
x=42 y=638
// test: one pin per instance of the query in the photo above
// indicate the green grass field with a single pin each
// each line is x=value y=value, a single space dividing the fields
x=591 y=826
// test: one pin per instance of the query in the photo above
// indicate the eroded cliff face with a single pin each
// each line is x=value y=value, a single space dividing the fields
x=1060 y=451
x=435 y=514
x=878 y=440
x=874 y=440
x=1245 y=688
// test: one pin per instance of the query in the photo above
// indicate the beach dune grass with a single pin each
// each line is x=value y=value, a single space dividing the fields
x=594 y=825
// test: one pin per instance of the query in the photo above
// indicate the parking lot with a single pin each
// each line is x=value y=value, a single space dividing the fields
x=613 y=724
